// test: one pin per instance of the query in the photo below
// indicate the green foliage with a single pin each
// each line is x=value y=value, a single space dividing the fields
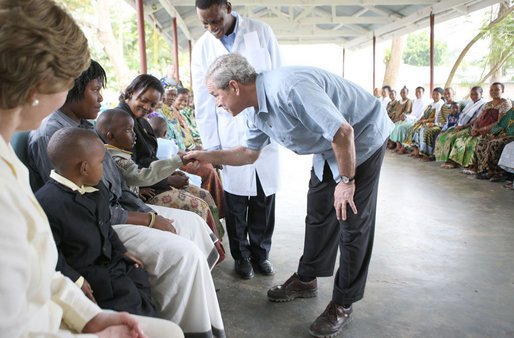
x=124 y=25
x=417 y=51
x=387 y=55
x=502 y=42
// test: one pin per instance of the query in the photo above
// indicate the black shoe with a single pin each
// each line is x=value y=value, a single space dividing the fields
x=265 y=267
x=482 y=176
x=498 y=178
x=244 y=268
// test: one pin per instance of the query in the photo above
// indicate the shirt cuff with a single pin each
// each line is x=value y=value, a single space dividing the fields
x=212 y=148
x=79 y=282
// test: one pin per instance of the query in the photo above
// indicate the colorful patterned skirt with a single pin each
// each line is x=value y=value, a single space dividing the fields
x=400 y=130
x=210 y=182
x=488 y=151
x=427 y=140
x=412 y=135
x=445 y=141
x=463 y=151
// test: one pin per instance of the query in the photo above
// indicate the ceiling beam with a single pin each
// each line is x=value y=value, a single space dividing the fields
x=443 y=12
x=322 y=2
x=172 y=11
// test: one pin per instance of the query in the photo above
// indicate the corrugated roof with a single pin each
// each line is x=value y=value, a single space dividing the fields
x=348 y=23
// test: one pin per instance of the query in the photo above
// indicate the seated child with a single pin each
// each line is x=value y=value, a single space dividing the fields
x=453 y=118
x=77 y=207
x=167 y=148
x=115 y=127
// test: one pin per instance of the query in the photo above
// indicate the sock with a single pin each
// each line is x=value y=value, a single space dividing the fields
x=306 y=279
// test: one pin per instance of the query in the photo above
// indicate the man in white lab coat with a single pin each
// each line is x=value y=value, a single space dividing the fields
x=250 y=189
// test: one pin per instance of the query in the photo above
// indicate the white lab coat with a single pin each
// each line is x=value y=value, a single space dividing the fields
x=255 y=41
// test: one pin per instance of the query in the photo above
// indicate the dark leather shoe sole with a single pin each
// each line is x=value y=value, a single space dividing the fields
x=244 y=269
x=266 y=271
x=244 y=275
x=333 y=334
x=293 y=296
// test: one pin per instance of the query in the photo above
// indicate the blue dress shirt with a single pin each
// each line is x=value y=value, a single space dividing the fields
x=228 y=40
x=303 y=107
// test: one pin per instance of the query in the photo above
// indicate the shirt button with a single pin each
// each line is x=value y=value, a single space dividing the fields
x=269 y=125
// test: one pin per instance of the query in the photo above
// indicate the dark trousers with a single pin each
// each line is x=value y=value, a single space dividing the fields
x=250 y=222
x=354 y=237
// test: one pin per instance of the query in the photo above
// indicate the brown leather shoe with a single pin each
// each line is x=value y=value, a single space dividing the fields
x=331 y=321
x=293 y=288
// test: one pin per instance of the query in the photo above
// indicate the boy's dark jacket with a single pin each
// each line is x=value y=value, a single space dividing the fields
x=88 y=246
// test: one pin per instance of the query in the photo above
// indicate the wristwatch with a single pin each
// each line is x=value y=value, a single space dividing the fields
x=346 y=179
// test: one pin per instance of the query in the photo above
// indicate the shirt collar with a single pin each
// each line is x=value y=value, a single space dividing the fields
x=69 y=184
x=234 y=14
x=83 y=123
x=119 y=152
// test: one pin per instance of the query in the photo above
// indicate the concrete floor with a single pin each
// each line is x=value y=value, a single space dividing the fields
x=442 y=265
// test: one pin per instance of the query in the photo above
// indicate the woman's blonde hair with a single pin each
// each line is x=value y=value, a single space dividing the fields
x=40 y=46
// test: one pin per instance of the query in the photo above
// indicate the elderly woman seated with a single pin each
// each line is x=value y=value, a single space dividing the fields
x=429 y=133
x=445 y=141
x=489 y=149
x=412 y=136
x=463 y=151
x=407 y=120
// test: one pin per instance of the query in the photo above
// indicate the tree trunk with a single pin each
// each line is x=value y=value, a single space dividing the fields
x=472 y=42
x=496 y=76
x=393 y=65
x=494 y=68
x=106 y=37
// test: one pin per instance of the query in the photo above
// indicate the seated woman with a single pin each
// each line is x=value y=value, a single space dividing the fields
x=391 y=106
x=429 y=132
x=489 y=149
x=445 y=140
x=77 y=205
x=116 y=128
x=178 y=131
x=139 y=100
x=506 y=162
x=407 y=120
x=181 y=236
x=463 y=151
x=412 y=137
x=402 y=108
x=36 y=300
x=188 y=113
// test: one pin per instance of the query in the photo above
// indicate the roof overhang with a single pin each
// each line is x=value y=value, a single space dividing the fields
x=348 y=23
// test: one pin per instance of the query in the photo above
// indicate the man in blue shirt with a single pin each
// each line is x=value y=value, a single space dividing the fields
x=312 y=111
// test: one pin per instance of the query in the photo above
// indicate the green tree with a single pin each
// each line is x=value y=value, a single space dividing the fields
x=113 y=42
x=417 y=51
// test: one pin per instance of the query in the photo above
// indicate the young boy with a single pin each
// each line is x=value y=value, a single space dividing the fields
x=167 y=148
x=453 y=118
x=115 y=127
x=77 y=206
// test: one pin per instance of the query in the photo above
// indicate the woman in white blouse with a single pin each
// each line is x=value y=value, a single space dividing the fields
x=41 y=51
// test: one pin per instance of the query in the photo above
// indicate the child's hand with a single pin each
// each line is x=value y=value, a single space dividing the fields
x=137 y=263
x=86 y=288
x=146 y=193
